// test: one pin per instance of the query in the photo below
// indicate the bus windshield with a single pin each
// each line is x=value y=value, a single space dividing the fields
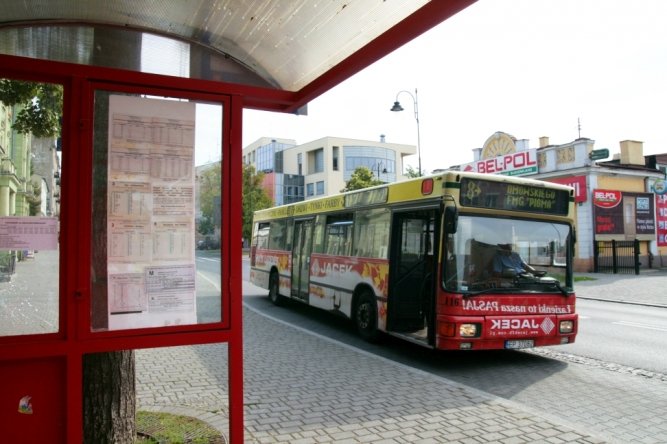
x=495 y=254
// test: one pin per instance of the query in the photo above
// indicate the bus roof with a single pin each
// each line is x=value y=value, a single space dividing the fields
x=412 y=190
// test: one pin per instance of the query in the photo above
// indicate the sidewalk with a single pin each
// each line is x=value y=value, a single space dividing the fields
x=301 y=388
x=647 y=288
x=304 y=388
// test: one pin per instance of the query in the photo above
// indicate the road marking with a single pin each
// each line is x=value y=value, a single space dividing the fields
x=208 y=259
x=212 y=282
x=638 y=325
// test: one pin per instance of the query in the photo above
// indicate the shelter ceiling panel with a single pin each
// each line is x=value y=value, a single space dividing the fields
x=289 y=43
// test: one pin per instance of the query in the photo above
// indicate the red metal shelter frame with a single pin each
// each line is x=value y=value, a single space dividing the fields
x=61 y=353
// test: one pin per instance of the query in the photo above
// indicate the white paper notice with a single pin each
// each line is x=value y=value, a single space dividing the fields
x=28 y=233
x=151 y=207
x=170 y=288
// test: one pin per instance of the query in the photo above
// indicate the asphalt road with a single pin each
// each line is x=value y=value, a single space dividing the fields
x=626 y=334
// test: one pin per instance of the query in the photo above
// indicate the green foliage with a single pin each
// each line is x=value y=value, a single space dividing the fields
x=362 y=177
x=159 y=427
x=40 y=106
x=254 y=197
x=412 y=172
x=209 y=193
x=206 y=225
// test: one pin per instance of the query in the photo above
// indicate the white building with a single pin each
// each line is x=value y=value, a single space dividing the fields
x=321 y=167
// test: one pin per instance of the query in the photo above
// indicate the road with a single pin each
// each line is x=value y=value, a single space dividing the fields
x=630 y=335
x=613 y=380
x=208 y=286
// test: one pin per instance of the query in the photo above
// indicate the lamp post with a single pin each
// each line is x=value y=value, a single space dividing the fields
x=379 y=165
x=397 y=107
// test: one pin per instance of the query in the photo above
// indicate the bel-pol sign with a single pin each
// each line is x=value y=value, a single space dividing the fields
x=520 y=163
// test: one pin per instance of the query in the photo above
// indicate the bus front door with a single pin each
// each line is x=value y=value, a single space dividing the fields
x=412 y=270
x=303 y=243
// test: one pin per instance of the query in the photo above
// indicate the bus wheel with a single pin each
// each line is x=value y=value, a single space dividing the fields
x=274 y=289
x=366 y=317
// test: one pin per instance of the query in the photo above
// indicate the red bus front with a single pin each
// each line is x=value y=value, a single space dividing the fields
x=497 y=321
x=506 y=283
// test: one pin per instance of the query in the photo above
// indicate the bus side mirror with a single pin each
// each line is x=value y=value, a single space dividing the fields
x=451 y=219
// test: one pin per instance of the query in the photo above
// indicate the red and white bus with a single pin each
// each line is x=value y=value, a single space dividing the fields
x=419 y=260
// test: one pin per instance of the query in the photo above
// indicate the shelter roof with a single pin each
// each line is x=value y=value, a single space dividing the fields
x=300 y=46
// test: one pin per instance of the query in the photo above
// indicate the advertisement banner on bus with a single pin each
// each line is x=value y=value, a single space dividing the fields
x=346 y=272
x=507 y=305
x=508 y=327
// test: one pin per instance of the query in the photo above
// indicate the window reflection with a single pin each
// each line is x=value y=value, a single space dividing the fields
x=477 y=255
x=30 y=168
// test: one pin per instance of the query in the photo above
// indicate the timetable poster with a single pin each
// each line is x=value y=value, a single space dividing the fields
x=150 y=223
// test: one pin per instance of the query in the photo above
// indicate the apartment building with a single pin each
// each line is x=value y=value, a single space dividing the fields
x=322 y=167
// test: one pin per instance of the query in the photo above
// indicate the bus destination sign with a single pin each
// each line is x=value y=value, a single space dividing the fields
x=513 y=197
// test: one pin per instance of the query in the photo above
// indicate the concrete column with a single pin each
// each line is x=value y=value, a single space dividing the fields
x=12 y=203
x=4 y=201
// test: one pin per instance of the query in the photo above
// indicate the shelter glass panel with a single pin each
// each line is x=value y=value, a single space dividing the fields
x=30 y=174
x=156 y=212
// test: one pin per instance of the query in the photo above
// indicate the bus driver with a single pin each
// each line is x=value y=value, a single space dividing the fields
x=505 y=259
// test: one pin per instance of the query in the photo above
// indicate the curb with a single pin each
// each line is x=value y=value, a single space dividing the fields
x=644 y=304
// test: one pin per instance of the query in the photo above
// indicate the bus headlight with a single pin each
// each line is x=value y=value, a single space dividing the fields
x=565 y=327
x=469 y=330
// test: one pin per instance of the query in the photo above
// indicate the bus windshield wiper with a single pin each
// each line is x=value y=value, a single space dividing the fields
x=518 y=287
x=561 y=288
x=489 y=290
x=555 y=283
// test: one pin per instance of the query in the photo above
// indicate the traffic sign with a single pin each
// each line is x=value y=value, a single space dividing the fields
x=598 y=154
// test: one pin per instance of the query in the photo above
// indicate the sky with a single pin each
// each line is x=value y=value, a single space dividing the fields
x=531 y=68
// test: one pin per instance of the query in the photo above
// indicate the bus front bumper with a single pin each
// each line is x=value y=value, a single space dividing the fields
x=504 y=332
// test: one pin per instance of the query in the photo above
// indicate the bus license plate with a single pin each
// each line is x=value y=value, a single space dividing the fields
x=527 y=343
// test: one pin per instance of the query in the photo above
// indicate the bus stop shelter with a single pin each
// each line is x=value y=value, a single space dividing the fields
x=118 y=185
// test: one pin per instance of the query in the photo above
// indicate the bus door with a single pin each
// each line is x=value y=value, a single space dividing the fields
x=303 y=243
x=414 y=252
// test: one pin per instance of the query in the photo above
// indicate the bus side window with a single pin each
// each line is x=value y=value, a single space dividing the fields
x=289 y=228
x=318 y=234
x=339 y=238
x=371 y=233
x=278 y=235
x=260 y=237
x=261 y=240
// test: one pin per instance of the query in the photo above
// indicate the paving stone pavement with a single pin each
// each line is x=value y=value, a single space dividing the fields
x=301 y=388
x=304 y=388
x=647 y=288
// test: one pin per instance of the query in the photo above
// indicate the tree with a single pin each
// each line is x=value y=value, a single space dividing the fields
x=109 y=399
x=38 y=111
x=411 y=172
x=362 y=177
x=254 y=197
x=209 y=193
x=40 y=104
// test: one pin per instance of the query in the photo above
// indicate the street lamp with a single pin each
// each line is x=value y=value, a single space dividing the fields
x=380 y=165
x=397 y=107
